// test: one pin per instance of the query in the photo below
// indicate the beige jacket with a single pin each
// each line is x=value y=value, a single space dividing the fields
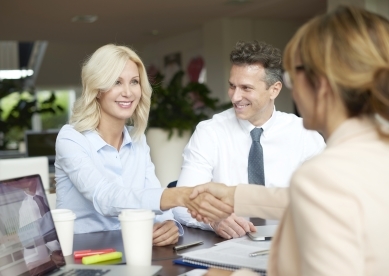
x=337 y=221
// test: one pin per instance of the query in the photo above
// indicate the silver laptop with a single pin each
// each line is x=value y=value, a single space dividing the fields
x=29 y=243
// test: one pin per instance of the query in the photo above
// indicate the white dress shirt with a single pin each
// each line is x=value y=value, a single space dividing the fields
x=96 y=181
x=219 y=148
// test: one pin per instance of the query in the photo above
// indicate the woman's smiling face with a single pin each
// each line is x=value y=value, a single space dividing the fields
x=120 y=102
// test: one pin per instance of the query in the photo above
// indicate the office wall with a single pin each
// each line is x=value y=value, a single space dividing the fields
x=61 y=65
x=189 y=44
x=214 y=41
x=220 y=36
x=278 y=33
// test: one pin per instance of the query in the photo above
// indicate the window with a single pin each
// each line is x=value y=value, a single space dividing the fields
x=64 y=99
x=20 y=112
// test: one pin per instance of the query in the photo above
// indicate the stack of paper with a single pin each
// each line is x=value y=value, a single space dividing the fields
x=231 y=254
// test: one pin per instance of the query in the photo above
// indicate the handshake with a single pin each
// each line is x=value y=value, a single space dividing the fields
x=206 y=203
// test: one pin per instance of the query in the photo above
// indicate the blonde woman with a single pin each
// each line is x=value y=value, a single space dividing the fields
x=103 y=166
x=334 y=216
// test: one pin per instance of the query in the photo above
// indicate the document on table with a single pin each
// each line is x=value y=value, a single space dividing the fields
x=245 y=240
x=195 y=272
x=233 y=254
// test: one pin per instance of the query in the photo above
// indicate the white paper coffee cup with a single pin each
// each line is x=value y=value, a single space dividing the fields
x=64 y=225
x=137 y=233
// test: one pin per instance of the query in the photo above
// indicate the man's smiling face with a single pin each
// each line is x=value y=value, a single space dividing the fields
x=250 y=97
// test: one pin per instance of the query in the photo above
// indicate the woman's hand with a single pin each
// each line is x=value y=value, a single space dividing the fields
x=198 y=200
x=165 y=233
x=207 y=211
x=220 y=191
x=217 y=272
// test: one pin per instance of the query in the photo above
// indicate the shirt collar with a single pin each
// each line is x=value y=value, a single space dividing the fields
x=248 y=127
x=98 y=142
x=126 y=136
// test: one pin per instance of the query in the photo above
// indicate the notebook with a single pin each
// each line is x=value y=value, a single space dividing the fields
x=29 y=243
x=229 y=255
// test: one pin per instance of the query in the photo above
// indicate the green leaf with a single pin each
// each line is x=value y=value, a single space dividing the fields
x=19 y=117
x=180 y=107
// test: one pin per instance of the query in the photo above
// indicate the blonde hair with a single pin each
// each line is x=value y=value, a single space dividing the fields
x=99 y=73
x=350 y=48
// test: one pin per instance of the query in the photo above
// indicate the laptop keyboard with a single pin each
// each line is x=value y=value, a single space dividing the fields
x=85 y=272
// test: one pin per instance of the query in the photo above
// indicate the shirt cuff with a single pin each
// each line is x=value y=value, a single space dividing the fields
x=168 y=215
x=180 y=228
x=211 y=227
x=151 y=199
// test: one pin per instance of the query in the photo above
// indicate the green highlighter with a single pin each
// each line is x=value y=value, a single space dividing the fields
x=101 y=258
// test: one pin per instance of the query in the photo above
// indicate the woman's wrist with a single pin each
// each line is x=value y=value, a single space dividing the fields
x=174 y=197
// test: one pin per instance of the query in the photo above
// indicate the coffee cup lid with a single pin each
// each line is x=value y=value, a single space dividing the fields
x=136 y=214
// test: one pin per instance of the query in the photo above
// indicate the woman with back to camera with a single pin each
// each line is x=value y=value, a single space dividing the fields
x=336 y=217
x=103 y=166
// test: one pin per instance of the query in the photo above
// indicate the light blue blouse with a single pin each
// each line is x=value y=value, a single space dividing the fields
x=96 y=181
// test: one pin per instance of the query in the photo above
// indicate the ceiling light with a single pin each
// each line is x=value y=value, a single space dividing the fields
x=85 y=18
x=15 y=74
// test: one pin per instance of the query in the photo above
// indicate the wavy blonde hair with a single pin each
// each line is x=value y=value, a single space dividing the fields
x=350 y=48
x=99 y=73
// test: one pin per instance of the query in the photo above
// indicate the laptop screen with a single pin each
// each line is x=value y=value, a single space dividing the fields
x=41 y=143
x=29 y=241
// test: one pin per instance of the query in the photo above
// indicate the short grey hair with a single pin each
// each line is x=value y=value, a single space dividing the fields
x=249 y=53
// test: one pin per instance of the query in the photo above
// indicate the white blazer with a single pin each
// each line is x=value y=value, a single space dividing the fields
x=337 y=220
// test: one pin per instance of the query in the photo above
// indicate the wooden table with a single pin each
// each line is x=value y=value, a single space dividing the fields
x=162 y=256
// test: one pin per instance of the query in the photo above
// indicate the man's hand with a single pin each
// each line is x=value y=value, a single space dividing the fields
x=165 y=233
x=233 y=227
x=220 y=191
x=208 y=207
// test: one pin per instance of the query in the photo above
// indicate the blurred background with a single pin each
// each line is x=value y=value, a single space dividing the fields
x=43 y=44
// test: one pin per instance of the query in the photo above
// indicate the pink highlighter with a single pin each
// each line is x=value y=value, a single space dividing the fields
x=89 y=252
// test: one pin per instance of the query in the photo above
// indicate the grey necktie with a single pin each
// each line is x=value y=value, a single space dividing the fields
x=255 y=165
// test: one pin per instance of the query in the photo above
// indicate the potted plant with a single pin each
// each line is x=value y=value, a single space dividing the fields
x=178 y=107
x=18 y=118
x=175 y=110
